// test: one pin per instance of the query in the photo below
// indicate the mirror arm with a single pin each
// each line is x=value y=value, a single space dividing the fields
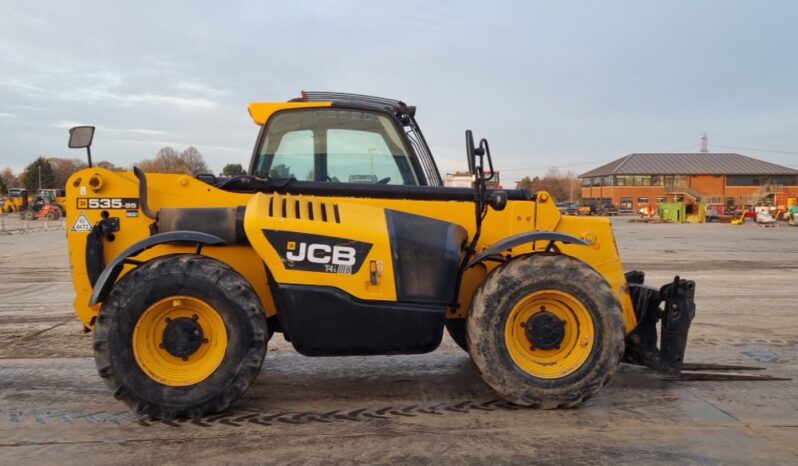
x=88 y=154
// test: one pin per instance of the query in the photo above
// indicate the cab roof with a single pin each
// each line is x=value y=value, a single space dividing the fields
x=262 y=111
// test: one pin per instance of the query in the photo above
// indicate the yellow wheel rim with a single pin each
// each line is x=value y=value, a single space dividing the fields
x=577 y=340
x=153 y=354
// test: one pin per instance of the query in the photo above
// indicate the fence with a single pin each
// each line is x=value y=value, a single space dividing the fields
x=14 y=223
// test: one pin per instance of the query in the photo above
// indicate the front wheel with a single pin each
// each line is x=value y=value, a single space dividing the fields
x=546 y=331
x=180 y=336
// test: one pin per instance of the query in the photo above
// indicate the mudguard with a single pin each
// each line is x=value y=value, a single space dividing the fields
x=523 y=238
x=111 y=272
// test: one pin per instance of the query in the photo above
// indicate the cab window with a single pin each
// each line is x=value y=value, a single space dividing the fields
x=334 y=145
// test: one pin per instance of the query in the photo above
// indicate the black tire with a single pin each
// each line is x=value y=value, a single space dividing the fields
x=61 y=210
x=225 y=290
x=507 y=285
x=457 y=330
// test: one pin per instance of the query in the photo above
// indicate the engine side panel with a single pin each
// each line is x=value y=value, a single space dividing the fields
x=312 y=241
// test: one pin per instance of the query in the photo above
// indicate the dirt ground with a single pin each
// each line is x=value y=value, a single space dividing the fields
x=431 y=408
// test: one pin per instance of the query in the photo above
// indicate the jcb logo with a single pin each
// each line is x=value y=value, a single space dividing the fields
x=321 y=253
x=318 y=253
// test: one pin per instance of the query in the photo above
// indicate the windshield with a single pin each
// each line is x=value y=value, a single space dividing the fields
x=334 y=145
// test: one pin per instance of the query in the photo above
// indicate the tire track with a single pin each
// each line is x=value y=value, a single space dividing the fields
x=250 y=417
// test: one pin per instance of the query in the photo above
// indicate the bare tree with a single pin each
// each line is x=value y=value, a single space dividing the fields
x=8 y=179
x=561 y=186
x=194 y=160
x=63 y=169
x=167 y=160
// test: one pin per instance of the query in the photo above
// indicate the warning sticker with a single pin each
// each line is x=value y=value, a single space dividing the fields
x=82 y=224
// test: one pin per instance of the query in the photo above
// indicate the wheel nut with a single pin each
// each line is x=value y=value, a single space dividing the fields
x=168 y=320
x=205 y=340
x=160 y=345
x=195 y=317
x=185 y=358
x=523 y=324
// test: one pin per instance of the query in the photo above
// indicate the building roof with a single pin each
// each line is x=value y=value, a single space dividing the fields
x=689 y=164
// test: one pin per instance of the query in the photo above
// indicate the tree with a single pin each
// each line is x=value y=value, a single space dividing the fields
x=38 y=171
x=193 y=159
x=8 y=179
x=167 y=160
x=63 y=169
x=107 y=165
x=561 y=187
x=280 y=171
x=233 y=169
x=525 y=183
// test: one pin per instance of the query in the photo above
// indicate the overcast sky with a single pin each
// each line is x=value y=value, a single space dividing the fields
x=565 y=84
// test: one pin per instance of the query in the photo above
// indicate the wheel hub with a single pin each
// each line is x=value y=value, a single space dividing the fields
x=545 y=330
x=182 y=337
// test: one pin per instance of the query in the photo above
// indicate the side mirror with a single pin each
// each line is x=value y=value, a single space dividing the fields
x=80 y=137
x=477 y=168
x=470 y=156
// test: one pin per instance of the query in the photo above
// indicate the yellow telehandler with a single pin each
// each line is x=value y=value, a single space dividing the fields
x=342 y=237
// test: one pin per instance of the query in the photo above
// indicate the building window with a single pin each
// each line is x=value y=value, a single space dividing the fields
x=656 y=180
x=661 y=199
x=642 y=200
x=626 y=203
x=608 y=181
x=743 y=180
x=787 y=180
x=586 y=181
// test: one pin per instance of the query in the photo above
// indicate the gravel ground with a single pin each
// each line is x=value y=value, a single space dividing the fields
x=429 y=408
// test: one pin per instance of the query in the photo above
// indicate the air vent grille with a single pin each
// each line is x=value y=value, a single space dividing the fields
x=302 y=208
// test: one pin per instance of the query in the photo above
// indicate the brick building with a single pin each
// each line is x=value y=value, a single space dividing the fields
x=719 y=180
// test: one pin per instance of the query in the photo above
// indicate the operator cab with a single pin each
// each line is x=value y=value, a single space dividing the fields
x=343 y=138
x=334 y=145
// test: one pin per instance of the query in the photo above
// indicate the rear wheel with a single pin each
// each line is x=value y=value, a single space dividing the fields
x=182 y=335
x=546 y=331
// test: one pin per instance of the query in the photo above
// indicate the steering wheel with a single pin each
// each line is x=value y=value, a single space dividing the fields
x=384 y=180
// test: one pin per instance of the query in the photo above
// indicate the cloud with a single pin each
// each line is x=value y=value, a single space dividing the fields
x=8 y=115
x=100 y=95
x=144 y=131
x=70 y=124
x=198 y=88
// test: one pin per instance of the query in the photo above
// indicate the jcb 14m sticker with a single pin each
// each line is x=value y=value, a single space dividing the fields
x=108 y=203
x=318 y=253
